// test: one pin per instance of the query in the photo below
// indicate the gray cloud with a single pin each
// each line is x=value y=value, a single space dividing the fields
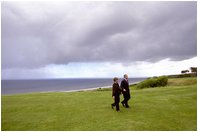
x=36 y=34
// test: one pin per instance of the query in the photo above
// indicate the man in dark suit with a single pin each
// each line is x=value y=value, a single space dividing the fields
x=125 y=91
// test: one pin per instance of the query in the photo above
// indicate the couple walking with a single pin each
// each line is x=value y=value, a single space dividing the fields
x=116 y=91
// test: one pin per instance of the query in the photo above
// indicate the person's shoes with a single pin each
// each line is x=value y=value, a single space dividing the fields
x=111 y=106
x=127 y=107
x=122 y=104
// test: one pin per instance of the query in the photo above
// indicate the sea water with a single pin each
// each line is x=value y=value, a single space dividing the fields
x=56 y=85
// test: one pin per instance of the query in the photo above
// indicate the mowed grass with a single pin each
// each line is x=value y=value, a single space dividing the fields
x=166 y=108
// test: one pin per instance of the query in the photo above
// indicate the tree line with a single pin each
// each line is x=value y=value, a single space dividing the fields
x=192 y=70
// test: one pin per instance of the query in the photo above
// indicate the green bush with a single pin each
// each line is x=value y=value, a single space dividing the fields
x=153 y=82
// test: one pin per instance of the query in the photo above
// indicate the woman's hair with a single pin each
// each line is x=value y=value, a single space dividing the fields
x=115 y=78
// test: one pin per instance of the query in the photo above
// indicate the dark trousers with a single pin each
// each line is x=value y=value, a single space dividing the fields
x=126 y=98
x=116 y=103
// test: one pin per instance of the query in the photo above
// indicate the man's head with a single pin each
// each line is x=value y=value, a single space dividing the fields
x=115 y=79
x=125 y=76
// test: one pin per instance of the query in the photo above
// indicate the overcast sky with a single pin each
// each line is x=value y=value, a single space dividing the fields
x=97 y=39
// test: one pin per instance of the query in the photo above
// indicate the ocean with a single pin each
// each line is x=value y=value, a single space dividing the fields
x=56 y=85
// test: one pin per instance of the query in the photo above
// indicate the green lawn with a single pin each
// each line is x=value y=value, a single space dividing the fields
x=167 y=108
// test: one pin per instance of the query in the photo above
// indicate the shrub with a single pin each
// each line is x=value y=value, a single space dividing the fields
x=162 y=81
x=153 y=82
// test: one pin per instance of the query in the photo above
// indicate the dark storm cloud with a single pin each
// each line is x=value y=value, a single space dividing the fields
x=35 y=34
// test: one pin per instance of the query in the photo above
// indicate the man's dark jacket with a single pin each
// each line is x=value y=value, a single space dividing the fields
x=125 y=85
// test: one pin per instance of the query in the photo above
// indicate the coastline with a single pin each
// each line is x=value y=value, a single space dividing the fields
x=89 y=89
x=78 y=90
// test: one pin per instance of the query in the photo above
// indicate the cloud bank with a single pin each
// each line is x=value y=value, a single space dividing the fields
x=37 y=34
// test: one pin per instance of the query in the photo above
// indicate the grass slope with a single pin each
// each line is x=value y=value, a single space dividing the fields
x=168 y=108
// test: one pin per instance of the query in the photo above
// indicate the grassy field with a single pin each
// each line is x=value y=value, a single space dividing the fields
x=167 y=108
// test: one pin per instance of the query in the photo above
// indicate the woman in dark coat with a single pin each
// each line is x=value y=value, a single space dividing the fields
x=116 y=91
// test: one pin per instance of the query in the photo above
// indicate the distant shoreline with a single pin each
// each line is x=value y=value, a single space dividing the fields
x=77 y=90
x=90 y=89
